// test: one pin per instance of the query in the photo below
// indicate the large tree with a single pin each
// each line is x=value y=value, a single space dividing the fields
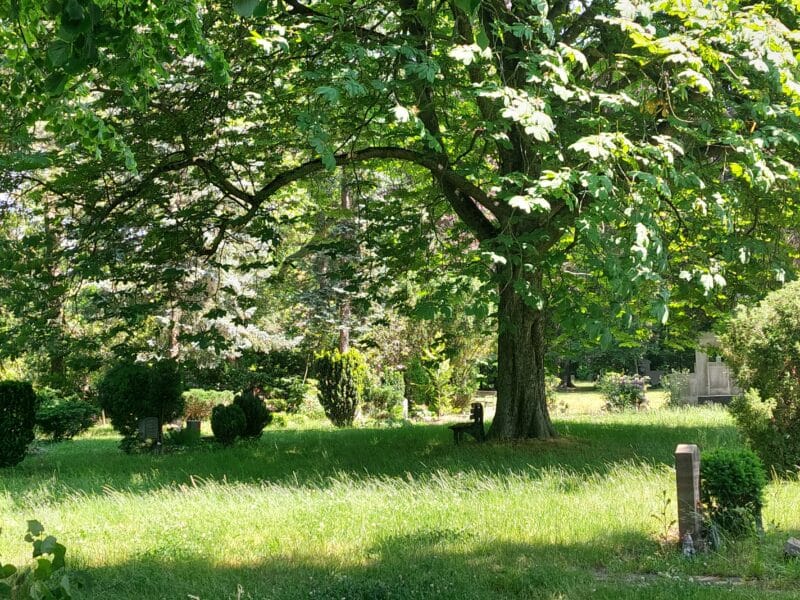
x=653 y=133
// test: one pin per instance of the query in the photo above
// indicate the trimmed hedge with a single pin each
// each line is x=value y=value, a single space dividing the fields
x=18 y=405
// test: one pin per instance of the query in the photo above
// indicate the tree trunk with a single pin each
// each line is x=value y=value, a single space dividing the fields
x=344 y=301
x=566 y=374
x=521 y=402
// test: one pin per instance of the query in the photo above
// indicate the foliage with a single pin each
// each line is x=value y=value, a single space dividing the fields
x=732 y=486
x=133 y=391
x=622 y=391
x=257 y=415
x=63 y=418
x=198 y=403
x=286 y=393
x=676 y=386
x=47 y=579
x=18 y=405
x=341 y=380
x=228 y=423
x=429 y=378
x=777 y=442
x=387 y=392
x=762 y=346
x=552 y=383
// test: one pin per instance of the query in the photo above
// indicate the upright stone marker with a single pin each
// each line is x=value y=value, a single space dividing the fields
x=687 y=475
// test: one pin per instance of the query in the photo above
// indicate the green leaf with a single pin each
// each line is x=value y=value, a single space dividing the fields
x=5 y=590
x=74 y=11
x=43 y=569
x=35 y=528
x=468 y=6
x=245 y=8
x=59 y=552
x=48 y=544
x=55 y=82
x=59 y=53
x=7 y=571
x=606 y=339
x=331 y=94
x=482 y=39
x=262 y=9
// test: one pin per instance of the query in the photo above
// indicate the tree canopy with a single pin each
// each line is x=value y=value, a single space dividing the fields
x=594 y=153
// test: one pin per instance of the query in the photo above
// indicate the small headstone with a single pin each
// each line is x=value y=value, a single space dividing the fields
x=405 y=408
x=792 y=548
x=687 y=477
x=193 y=426
x=148 y=428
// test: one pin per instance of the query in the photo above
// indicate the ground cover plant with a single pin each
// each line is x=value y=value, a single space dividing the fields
x=320 y=512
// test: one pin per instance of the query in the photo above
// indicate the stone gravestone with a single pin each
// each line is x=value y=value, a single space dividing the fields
x=148 y=428
x=687 y=476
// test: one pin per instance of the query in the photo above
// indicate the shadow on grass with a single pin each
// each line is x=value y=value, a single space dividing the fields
x=432 y=564
x=310 y=457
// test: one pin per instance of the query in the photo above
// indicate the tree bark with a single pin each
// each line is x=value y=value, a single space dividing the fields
x=521 y=400
x=345 y=308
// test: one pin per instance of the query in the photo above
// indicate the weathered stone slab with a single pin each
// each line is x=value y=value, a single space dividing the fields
x=687 y=477
x=792 y=548
x=148 y=428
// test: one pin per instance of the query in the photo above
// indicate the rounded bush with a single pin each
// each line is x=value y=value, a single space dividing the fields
x=228 y=423
x=63 y=418
x=257 y=416
x=18 y=405
x=341 y=378
x=732 y=488
x=762 y=347
x=133 y=391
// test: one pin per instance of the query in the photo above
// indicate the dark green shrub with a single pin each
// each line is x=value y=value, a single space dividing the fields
x=341 y=379
x=133 y=391
x=762 y=347
x=732 y=489
x=17 y=419
x=228 y=423
x=256 y=414
x=63 y=418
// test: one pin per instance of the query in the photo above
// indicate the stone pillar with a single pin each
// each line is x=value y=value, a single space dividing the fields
x=687 y=475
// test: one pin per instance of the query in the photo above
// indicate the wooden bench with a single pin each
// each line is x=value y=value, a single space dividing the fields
x=474 y=427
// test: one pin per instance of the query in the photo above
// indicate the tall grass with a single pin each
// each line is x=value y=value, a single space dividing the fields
x=391 y=513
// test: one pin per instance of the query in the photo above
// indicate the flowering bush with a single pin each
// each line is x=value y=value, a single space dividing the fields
x=623 y=391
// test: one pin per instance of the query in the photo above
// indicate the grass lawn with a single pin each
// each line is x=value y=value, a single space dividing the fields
x=394 y=513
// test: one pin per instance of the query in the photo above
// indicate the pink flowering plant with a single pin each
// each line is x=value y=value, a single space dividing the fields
x=623 y=391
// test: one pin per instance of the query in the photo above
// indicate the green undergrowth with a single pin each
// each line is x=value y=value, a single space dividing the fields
x=393 y=513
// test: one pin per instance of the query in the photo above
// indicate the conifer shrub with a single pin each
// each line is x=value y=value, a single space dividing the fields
x=257 y=415
x=62 y=418
x=17 y=419
x=762 y=346
x=133 y=391
x=732 y=486
x=228 y=423
x=341 y=379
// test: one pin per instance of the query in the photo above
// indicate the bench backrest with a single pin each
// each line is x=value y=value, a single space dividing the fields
x=476 y=412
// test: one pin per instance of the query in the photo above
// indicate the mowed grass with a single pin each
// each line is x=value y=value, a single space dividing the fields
x=369 y=513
